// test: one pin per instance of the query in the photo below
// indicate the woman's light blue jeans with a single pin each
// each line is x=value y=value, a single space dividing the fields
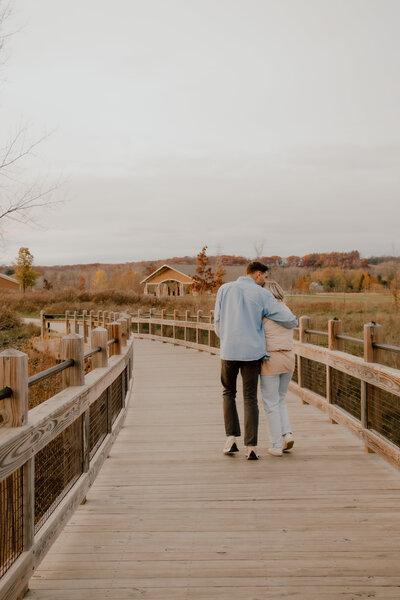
x=273 y=390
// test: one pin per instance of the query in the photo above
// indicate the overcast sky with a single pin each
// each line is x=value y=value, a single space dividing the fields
x=179 y=123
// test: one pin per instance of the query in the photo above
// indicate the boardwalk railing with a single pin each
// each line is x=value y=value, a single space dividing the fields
x=51 y=454
x=355 y=391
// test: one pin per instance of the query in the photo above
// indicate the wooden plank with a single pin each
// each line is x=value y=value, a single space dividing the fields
x=170 y=517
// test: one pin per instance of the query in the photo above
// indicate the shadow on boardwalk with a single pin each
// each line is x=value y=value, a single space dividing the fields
x=170 y=517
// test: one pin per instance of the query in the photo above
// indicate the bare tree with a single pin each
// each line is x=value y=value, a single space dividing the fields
x=259 y=248
x=18 y=197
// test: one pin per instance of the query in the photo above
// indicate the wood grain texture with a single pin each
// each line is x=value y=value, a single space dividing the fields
x=14 y=374
x=170 y=517
x=48 y=419
x=384 y=377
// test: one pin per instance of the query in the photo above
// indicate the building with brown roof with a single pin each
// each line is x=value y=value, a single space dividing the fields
x=177 y=280
x=8 y=283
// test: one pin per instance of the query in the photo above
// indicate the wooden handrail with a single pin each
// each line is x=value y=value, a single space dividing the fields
x=23 y=444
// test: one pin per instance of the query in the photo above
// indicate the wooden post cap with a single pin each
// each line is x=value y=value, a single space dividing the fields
x=14 y=374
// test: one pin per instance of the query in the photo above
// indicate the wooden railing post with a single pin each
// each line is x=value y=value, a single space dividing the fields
x=372 y=333
x=84 y=332
x=128 y=325
x=91 y=319
x=162 y=319
x=139 y=314
x=124 y=331
x=75 y=322
x=98 y=337
x=108 y=327
x=187 y=317
x=152 y=311
x=72 y=347
x=304 y=323
x=66 y=322
x=174 y=325
x=335 y=327
x=117 y=334
x=14 y=374
x=209 y=331
x=42 y=325
x=199 y=313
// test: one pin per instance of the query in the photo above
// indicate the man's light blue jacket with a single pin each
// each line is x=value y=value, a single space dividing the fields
x=239 y=310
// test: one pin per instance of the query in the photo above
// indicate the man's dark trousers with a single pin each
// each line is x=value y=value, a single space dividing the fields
x=250 y=371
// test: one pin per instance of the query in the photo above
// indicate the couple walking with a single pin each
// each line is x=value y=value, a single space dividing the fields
x=254 y=326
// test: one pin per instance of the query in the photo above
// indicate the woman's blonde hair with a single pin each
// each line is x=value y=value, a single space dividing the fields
x=275 y=289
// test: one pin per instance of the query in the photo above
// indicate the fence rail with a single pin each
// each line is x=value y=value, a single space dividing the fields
x=51 y=454
x=355 y=391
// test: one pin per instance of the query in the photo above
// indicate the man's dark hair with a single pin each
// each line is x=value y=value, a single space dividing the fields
x=256 y=265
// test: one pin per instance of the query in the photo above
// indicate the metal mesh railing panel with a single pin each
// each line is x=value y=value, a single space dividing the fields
x=384 y=413
x=203 y=337
x=346 y=392
x=116 y=397
x=11 y=520
x=295 y=376
x=57 y=466
x=313 y=376
x=97 y=423
x=126 y=378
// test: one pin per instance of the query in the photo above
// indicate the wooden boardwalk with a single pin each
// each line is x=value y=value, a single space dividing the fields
x=170 y=517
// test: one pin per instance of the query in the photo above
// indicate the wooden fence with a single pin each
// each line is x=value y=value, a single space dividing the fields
x=51 y=454
x=355 y=391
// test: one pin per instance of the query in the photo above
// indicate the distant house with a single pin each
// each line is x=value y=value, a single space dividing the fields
x=177 y=280
x=8 y=283
x=168 y=281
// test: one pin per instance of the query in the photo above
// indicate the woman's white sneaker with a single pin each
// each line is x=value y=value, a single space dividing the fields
x=275 y=451
x=288 y=442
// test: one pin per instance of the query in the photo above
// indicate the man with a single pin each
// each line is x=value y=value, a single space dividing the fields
x=239 y=310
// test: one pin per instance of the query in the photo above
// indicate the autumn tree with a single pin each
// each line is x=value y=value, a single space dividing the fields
x=99 y=281
x=23 y=268
x=205 y=280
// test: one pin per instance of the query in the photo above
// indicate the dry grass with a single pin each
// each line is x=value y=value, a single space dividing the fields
x=57 y=302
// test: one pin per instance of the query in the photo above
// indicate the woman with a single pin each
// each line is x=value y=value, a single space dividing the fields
x=276 y=374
